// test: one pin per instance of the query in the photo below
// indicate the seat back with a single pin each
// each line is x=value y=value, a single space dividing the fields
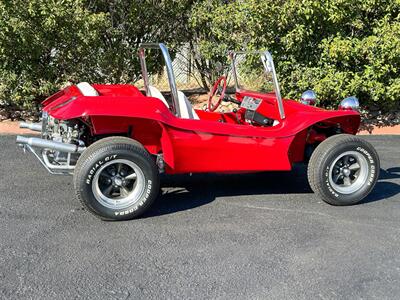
x=186 y=109
x=154 y=92
x=87 y=90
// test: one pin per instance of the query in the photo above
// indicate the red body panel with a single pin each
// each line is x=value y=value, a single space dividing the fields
x=205 y=145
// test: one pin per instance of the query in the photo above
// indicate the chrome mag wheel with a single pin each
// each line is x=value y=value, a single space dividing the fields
x=343 y=169
x=349 y=172
x=118 y=184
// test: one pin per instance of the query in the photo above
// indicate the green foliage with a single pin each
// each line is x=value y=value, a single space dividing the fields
x=338 y=47
x=46 y=43
x=42 y=45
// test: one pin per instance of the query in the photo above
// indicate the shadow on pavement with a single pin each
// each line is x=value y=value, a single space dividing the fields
x=184 y=192
x=384 y=189
x=390 y=173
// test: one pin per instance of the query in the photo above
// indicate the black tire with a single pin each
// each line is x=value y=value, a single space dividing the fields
x=333 y=173
x=123 y=153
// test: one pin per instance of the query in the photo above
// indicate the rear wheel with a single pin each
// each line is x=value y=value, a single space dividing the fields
x=116 y=179
x=343 y=169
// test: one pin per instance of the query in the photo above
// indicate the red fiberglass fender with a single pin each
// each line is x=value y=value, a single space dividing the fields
x=306 y=116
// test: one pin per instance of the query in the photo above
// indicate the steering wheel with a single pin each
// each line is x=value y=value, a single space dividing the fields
x=215 y=89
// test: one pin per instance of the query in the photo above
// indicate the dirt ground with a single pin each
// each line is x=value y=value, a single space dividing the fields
x=12 y=127
x=382 y=130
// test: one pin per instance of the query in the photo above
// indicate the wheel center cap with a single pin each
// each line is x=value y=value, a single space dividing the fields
x=118 y=181
x=346 y=172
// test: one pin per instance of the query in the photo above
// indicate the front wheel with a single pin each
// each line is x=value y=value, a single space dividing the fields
x=343 y=169
x=116 y=179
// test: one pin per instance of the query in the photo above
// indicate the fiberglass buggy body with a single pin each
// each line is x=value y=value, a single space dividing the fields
x=116 y=140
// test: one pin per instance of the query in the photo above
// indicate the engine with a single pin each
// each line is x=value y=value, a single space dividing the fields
x=62 y=131
x=70 y=132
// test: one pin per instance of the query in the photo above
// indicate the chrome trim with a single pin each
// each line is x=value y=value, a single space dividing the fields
x=276 y=83
x=47 y=144
x=233 y=57
x=160 y=163
x=268 y=63
x=57 y=167
x=31 y=126
x=143 y=66
x=353 y=173
x=48 y=166
x=45 y=120
x=308 y=97
x=29 y=143
x=170 y=72
x=349 y=102
x=128 y=195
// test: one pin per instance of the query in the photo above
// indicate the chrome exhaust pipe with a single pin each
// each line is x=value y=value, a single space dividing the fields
x=31 y=126
x=47 y=144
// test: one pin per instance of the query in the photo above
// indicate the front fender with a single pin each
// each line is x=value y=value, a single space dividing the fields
x=347 y=123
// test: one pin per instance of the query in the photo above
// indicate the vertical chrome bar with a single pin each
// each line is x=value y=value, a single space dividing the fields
x=171 y=78
x=233 y=57
x=269 y=63
x=170 y=72
x=145 y=77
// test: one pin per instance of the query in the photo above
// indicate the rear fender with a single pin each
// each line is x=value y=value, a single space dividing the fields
x=153 y=135
x=137 y=116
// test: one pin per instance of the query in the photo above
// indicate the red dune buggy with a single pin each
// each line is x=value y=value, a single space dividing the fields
x=116 y=139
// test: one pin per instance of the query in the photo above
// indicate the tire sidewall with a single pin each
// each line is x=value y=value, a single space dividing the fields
x=96 y=161
x=373 y=172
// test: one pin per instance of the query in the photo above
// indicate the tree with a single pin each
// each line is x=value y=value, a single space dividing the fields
x=339 y=48
x=44 y=44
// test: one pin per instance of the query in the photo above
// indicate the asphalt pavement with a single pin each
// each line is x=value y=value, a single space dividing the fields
x=253 y=236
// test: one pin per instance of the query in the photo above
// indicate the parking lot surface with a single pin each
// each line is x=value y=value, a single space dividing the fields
x=208 y=236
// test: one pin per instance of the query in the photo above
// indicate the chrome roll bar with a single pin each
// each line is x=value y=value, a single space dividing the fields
x=268 y=63
x=170 y=72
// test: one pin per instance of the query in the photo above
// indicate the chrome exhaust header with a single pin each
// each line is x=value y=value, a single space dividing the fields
x=31 y=126
x=47 y=144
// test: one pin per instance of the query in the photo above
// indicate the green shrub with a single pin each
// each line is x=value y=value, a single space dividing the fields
x=44 y=44
x=338 y=48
